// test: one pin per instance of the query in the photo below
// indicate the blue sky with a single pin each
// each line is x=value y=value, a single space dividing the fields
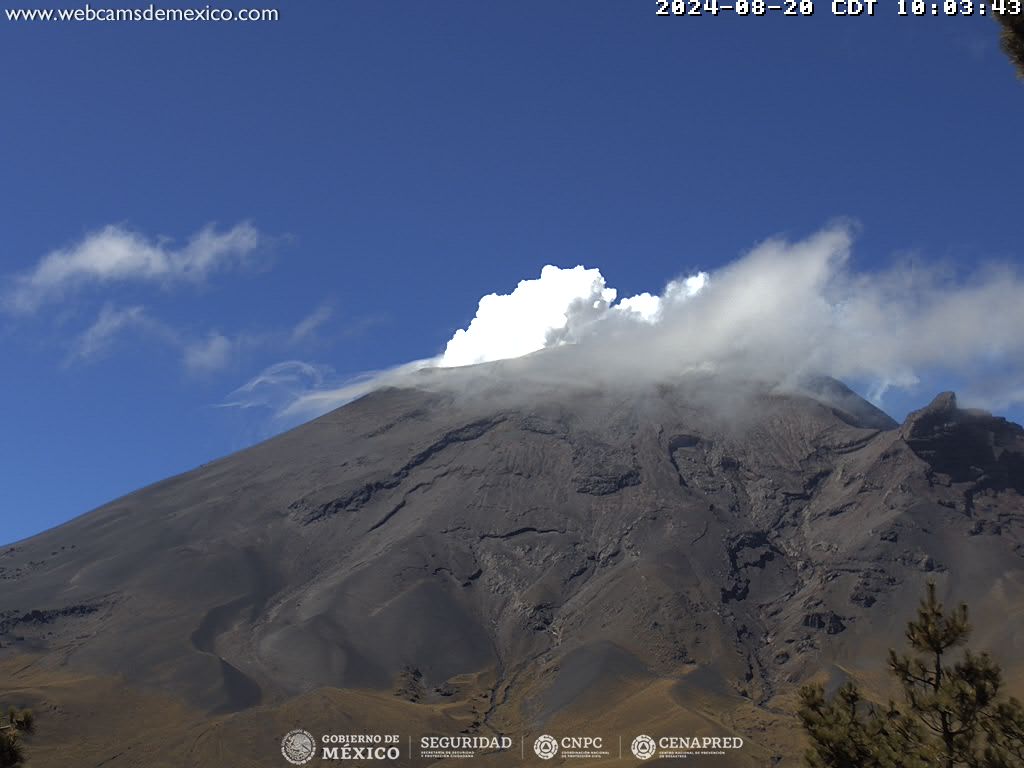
x=371 y=170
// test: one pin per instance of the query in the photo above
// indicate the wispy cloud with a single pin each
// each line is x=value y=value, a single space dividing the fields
x=115 y=254
x=310 y=323
x=107 y=261
x=294 y=391
x=207 y=355
x=199 y=355
x=311 y=402
x=99 y=337
x=278 y=385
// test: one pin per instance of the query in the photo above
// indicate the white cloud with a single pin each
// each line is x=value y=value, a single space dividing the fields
x=99 y=336
x=557 y=308
x=644 y=305
x=280 y=383
x=524 y=320
x=308 y=325
x=115 y=254
x=686 y=287
x=207 y=355
x=313 y=401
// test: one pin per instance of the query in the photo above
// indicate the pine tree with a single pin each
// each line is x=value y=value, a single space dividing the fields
x=1005 y=731
x=11 y=752
x=841 y=735
x=1013 y=38
x=952 y=713
x=948 y=701
x=10 y=748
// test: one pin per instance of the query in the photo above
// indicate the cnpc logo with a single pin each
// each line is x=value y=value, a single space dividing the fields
x=546 y=746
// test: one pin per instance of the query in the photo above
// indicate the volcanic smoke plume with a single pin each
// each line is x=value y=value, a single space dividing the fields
x=784 y=311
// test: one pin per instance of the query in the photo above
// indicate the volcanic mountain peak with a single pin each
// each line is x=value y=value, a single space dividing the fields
x=504 y=554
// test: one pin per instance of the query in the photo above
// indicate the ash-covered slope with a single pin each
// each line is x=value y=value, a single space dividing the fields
x=521 y=552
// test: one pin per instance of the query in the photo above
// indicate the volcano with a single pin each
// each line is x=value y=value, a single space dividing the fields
x=482 y=552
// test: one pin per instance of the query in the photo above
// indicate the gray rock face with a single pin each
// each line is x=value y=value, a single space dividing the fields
x=416 y=535
x=967 y=446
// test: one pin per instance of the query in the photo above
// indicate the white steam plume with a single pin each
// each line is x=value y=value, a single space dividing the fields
x=556 y=308
x=783 y=311
x=523 y=321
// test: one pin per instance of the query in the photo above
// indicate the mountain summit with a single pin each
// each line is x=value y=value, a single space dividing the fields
x=490 y=558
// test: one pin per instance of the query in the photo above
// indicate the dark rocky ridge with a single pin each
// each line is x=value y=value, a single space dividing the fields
x=745 y=538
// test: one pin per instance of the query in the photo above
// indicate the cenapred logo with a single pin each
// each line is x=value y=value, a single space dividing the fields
x=546 y=747
x=643 y=747
x=298 y=746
